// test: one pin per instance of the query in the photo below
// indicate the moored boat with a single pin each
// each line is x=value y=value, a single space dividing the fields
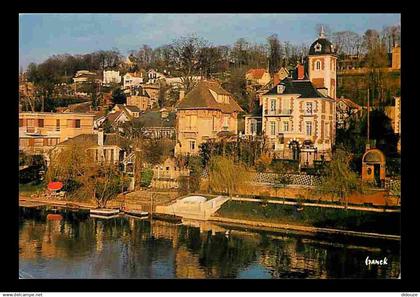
x=136 y=213
x=104 y=211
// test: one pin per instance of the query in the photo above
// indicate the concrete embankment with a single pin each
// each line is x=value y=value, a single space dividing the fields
x=297 y=228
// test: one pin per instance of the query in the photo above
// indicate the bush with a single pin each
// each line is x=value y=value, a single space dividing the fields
x=146 y=177
x=285 y=166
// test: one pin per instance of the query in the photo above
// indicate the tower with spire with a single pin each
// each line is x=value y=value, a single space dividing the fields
x=322 y=65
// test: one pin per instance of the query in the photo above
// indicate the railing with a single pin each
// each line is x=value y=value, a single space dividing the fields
x=278 y=112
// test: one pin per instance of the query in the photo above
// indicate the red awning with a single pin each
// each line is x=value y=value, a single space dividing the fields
x=55 y=186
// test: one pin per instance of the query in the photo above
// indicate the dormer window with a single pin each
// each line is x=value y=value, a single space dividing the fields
x=317 y=47
x=280 y=89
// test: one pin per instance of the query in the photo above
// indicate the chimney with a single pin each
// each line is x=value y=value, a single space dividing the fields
x=276 y=79
x=100 y=137
x=300 y=71
x=181 y=94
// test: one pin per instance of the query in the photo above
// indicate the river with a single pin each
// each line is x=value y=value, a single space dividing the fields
x=78 y=246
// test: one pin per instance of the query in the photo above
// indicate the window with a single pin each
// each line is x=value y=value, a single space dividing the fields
x=77 y=123
x=214 y=123
x=192 y=145
x=253 y=127
x=285 y=126
x=308 y=108
x=20 y=122
x=57 y=125
x=318 y=65
x=327 y=130
x=30 y=122
x=273 y=128
x=226 y=122
x=41 y=123
x=112 y=155
x=308 y=128
x=273 y=105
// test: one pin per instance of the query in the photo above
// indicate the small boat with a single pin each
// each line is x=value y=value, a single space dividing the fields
x=104 y=216
x=136 y=213
x=104 y=211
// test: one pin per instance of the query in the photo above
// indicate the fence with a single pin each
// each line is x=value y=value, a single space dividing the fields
x=270 y=178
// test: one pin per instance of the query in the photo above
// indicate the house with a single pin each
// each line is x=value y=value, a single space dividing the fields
x=111 y=77
x=282 y=73
x=86 y=76
x=257 y=76
x=158 y=125
x=207 y=112
x=140 y=98
x=83 y=107
x=346 y=108
x=105 y=147
x=152 y=91
x=120 y=114
x=167 y=175
x=154 y=76
x=177 y=82
x=131 y=110
x=141 y=102
x=132 y=79
x=298 y=115
x=40 y=131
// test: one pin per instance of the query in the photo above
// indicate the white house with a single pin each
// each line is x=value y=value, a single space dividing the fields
x=111 y=76
x=132 y=79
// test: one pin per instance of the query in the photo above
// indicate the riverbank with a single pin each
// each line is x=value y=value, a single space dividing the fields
x=309 y=218
x=266 y=226
x=270 y=214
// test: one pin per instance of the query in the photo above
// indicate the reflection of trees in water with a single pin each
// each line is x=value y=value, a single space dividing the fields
x=130 y=248
x=219 y=256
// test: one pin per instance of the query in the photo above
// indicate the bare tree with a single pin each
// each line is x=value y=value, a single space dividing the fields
x=185 y=53
x=276 y=53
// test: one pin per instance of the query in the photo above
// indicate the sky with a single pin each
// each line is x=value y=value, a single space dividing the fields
x=43 y=35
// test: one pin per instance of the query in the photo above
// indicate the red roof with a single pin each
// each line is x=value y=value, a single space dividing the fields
x=256 y=73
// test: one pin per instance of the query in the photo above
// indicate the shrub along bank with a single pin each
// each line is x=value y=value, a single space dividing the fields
x=355 y=220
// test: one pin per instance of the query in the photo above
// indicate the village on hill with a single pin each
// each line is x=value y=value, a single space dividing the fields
x=277 y=121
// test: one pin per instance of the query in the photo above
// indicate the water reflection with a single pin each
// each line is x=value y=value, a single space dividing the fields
x=78 y=246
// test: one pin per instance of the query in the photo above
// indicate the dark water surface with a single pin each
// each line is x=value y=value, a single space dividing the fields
x=79 y=246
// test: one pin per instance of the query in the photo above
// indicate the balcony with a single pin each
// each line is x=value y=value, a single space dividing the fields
x=279 y=112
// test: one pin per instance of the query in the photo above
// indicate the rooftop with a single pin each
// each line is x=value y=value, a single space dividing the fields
x=298 y=86
x=200 y=97
x=92 y=139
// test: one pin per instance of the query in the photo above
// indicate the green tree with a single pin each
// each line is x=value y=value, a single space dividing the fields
x=225 y=176
x=118 y=96
x=146 y=177
x=339 y=180
x=196 y=170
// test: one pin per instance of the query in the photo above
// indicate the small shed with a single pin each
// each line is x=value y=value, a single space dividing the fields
x=373 y=166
